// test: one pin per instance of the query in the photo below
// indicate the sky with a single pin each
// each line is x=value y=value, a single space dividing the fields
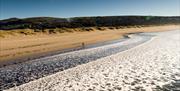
x=77 y=8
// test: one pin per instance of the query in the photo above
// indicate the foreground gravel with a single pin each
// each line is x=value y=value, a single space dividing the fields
x=15 y=75
x=154 y=65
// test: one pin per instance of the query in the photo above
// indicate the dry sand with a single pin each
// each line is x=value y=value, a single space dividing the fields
x=146 y=67
x=15 y=48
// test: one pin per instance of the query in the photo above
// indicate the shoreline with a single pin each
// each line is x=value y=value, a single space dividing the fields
x=21 y=60
x=116 y=65
x=119 y=34
x=38 y=68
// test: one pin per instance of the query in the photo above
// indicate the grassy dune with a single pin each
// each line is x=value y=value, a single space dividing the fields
x=16 y=32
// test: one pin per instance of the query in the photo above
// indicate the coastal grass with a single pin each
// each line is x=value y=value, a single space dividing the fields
x=14 y=32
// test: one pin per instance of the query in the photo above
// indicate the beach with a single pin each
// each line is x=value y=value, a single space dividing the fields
x=145 y=61
x=89 y=45
x=19 y=48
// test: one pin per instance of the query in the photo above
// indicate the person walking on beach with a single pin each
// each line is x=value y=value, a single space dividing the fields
x=83 y=45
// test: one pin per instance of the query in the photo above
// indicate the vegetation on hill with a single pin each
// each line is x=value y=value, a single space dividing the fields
x=42 y=23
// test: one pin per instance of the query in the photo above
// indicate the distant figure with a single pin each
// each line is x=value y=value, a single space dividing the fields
x=83 y=45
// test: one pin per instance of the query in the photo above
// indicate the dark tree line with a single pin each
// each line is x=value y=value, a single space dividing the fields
x=105 y=21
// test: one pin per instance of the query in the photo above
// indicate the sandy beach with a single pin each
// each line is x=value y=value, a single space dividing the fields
x=89 y=45
x=146 y=61
x=18 y=48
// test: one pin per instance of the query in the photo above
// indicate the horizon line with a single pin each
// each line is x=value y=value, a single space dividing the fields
x=89 y=16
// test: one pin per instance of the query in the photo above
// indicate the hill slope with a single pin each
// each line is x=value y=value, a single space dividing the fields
x=104 y=21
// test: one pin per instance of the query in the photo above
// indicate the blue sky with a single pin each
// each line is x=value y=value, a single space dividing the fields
x=74 y=8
